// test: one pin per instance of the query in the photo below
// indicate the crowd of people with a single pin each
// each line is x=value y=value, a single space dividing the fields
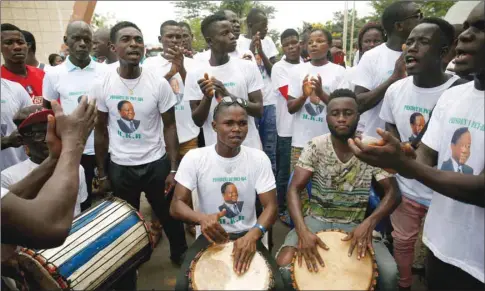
x=233 y=138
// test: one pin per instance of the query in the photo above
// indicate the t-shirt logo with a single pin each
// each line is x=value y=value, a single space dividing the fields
x=174 y=83
x=231 y=204
x=127 y=122
x=460 y=145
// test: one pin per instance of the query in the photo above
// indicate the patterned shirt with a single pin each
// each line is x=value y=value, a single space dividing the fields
x=340 y=191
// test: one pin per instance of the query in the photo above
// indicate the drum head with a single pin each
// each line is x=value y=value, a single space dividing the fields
x=36 y=274
x=341 y=272
x=212 y=269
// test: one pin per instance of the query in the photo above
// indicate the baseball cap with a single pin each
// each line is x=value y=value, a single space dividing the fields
x=30 y=115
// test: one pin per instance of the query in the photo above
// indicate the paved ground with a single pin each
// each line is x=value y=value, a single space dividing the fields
x=160 y=274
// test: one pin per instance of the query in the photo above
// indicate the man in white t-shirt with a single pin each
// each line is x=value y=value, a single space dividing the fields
x=139 y=161
x=405 y=109
x=280 y=77
x=454 y=226
x=14 y=98
x=72 y=79
x=382 y=66
x=228 y=178
x=227 y=77
x=265 y=53
x=33 y=132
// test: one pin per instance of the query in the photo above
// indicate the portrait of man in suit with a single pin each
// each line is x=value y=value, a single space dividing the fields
x=314 y=107
x=461 y=142
x=174 y=83
x=127 y=122
x=230 y=195
x=417 y=122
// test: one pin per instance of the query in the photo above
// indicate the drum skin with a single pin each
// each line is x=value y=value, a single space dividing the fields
x=212 y=269
x=104 y=243
x=341 y=272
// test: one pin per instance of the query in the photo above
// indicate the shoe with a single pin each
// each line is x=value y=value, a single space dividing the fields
x=178 y=261
x=156 y=232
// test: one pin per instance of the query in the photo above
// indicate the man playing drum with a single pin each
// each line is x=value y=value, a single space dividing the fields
x=228 y=177
x=339 y=196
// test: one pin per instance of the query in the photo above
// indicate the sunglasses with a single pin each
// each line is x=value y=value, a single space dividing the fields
x=227 y=101
x=418 y=15
x=35 y=135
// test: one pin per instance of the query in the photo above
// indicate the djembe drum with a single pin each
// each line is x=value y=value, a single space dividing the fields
x=105 y=243
x=341 y=272
x=212 y=269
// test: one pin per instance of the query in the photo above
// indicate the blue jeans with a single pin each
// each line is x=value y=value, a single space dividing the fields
x=283 y=162
x=267 y=131
x=386 y=265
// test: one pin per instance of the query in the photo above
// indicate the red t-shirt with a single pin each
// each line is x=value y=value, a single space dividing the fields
x=32 y=83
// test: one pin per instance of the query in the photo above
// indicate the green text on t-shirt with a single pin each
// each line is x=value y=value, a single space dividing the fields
x=467 y=122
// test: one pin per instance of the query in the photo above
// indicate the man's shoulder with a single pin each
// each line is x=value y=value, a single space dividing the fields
x=35 y=71
x=400 y=84
x=18 y=171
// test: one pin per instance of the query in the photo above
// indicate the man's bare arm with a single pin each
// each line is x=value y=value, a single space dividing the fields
x=180 y=209
x=171 y=138
x=369 y=99
x=101 y=141
x=391 y=200
x=300 y=179
x=295 y=104
x=392 y=128
x=255 y=104
x=200 y=110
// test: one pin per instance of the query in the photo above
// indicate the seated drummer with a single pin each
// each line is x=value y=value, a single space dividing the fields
x=339 y=197
x=227 y=177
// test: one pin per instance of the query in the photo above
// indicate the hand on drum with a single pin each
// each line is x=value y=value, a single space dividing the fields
x=212 y=229
x=307 y=248
x=243 y=253
x=361 y=237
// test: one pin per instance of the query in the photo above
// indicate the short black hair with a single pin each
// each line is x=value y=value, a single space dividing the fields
x=412 y=118
x=366 y=28
x=253 y=13
x=209 y=20
x=289 y=32
x=458 y=133
x=52 y=58
x=9 y=27
x=121 y=103
x=224 y=186
x=30 y=39
x=326 y=32
x=392 y=14
x=447 y=30
x=168 y=23
x=185 y=24
x=342 y=93
x=119 y=26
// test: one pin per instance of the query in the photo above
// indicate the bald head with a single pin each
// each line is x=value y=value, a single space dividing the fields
x=79 y=38
x=77 y=25
x=102 y=33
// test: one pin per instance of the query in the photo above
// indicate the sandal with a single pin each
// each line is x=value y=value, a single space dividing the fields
x=156 y=232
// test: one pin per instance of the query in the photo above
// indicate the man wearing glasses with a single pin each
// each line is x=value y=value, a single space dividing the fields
x=209 y=170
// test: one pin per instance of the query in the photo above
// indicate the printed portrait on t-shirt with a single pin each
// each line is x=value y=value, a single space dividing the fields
x=174 y=83
x=417 y=122
x=314 y=107
x=231 y=204
x=127 y=121
x=461 y=142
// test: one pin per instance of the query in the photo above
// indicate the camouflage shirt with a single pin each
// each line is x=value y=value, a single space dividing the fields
x=340 y=191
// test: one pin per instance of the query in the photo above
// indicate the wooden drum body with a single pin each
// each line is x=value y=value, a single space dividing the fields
x=104 y=243
x=341 y=272
x=212 y=269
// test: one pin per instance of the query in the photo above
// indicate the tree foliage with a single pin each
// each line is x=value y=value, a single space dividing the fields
x=192 y=9
x=103 y=20
x=429 y=8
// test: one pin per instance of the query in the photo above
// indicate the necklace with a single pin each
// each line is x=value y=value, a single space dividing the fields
x=130 y=90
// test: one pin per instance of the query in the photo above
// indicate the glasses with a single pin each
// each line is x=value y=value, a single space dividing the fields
x=227 y=101
x=418 y=15
x=35 y=136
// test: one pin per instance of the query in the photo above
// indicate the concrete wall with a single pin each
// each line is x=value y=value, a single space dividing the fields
x=46 y=20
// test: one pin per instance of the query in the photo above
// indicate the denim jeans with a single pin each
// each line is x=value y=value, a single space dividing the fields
x=267 y=131
x=283 y=162
x=386 y=265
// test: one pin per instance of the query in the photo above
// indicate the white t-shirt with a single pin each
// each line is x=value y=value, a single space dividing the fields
x=375 y=67
x=454 y=230
x=238 y=53
x=19 y=171
x=405 y=101
x=14 y=98
x=348 y=83
x=280 y=76
x=135 y=139
x=68 y=83
x=270 y=50
x=240 y=78
x=186 y=128
x=249 y=173
x=310 y=121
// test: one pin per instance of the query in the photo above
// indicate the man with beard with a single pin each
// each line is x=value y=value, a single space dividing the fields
x=33 y=133
x=102 y=47
x=453 y=229
x=72 y=79
x=139 y=161
x=14 y=52
x=208 y=169
x=406 y=108
x=329 y=164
